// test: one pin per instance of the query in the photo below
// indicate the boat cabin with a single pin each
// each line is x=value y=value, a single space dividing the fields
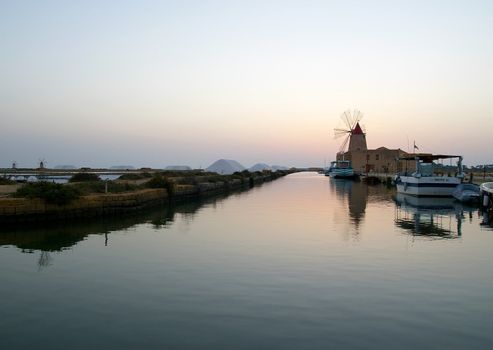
x=343 y=164
x=426 y=166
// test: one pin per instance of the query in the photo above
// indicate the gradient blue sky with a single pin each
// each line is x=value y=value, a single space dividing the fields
x=153 y=83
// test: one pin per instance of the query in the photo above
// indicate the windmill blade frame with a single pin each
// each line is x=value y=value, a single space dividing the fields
x=344 y=144
x=338 y=133
x=347 y=119
x=351 y=118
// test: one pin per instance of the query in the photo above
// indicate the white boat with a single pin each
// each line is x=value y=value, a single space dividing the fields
x=467 y=193
x=341 y=169
x=487 y=187
x=424 y=182
x=487 y=195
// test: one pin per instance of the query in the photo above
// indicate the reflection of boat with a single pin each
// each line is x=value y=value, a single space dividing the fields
x=423 y=182
x=466 y=193
x=413 y=203
x=433 y=217
x=341 y=169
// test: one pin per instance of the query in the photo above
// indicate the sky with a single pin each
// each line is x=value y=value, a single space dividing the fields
x=156 y=83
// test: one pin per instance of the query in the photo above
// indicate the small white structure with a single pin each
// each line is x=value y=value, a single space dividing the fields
x=65 y=167
x=178 y=167
x=122 y=167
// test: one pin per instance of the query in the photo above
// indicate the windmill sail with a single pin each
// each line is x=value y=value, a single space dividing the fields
x=355 y=136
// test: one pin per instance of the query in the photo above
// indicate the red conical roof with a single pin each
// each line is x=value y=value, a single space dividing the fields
x=357 y=130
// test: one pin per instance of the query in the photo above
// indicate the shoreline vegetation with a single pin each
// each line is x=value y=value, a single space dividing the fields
x=85 y=195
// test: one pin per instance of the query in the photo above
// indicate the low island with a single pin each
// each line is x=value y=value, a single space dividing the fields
x=86 y=195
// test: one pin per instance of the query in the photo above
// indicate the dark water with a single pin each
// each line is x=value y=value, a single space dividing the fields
x=304 y=262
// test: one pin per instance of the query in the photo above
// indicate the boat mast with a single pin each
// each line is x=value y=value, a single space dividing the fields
x=460 y=172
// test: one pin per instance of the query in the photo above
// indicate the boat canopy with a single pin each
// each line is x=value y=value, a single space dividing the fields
x=428 y=158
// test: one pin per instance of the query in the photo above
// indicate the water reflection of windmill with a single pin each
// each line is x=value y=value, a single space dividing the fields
x=353 y=133
x=356 y=194
x=430 y=217
x=44 y=260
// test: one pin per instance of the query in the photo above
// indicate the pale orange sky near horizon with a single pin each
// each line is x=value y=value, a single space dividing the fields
x=156 y=84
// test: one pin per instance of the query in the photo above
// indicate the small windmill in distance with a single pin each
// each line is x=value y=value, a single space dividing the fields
x=352 y=131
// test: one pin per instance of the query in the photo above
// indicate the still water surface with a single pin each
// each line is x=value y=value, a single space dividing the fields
x=304 y=262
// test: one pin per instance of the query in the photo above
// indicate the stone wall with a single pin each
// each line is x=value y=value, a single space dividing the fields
x=25 y=209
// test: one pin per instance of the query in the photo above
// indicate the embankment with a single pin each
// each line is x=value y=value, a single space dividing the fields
x=18 y=210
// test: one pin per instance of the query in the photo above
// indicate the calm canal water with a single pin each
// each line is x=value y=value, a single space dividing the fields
x=304 y=262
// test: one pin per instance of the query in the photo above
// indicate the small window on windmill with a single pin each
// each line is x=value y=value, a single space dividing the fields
x=377 y=156
x=367 y=157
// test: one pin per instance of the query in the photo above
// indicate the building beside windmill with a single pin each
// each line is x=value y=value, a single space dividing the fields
x=364 y=160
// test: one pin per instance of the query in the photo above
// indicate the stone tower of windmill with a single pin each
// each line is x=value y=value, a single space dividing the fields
x=357 y=139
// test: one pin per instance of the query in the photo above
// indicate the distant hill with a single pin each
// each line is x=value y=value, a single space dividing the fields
x=260 y=167
x=178 y=167
x=65 y=167
x=225 y=167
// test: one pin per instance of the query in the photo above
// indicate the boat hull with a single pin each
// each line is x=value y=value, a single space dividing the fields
x=467 y=193
x=467 y=197
x=435 y=186
x=342 y=173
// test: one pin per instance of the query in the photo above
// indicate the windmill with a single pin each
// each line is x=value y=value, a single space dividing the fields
x=352 y=132
x=42 y=164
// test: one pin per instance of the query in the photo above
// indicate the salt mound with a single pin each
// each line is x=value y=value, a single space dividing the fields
x=260 y=167
x=225 y=167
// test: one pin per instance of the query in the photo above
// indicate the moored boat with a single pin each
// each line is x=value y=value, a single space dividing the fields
x=487 y=197
x=341 y=169
x=467 y=193
x=424 y=182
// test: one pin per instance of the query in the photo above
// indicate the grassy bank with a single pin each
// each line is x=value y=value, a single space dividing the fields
x=85 y=195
